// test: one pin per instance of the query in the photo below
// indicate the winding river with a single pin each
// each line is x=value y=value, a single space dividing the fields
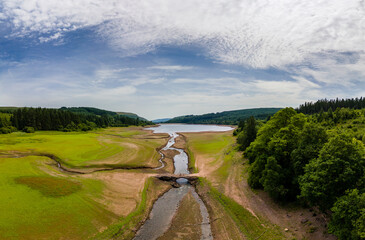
x=166 y=206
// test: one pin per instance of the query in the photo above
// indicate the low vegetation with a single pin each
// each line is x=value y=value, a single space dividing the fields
x=50 y=186
x=35 y=202
x=113 y=147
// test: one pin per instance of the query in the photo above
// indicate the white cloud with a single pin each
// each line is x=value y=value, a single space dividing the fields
x=112 y=92
x=106 y=74
x=118 y=75
x=319 y=43
x=145 y=80
x=343 y=74
x=171 y=67
x=283 y=88
x=50 y=38
x=253 y=33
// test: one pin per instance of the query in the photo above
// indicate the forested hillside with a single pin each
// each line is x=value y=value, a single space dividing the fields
x=325 y=105
x=318 y=160
x=226 y=117
x=131 y=115
x=64 y=119
x=89 y=110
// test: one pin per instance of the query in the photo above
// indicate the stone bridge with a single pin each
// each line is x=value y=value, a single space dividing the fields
x=174 y=177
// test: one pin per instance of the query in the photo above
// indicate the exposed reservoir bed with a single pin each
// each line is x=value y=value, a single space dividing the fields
x=166 y=206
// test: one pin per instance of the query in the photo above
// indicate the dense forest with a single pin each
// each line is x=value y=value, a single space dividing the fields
x=317 y=160
x=89 y=111
x=64 y=119
x=325 y=105
x=227 y=117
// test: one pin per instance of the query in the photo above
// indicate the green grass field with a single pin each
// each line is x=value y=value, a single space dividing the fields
x=213 y=145
x=208 y=143
x=115 y=146
x=38 y=201
x=36 y=205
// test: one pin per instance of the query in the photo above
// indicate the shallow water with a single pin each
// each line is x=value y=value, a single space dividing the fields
x=181 y=160
x=166 y=206
x=162 y=213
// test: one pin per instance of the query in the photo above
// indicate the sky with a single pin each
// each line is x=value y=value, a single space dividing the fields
x=166 y=58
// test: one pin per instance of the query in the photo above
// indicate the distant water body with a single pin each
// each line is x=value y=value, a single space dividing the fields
x=175 y=128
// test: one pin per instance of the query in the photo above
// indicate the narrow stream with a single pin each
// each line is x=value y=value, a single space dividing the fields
x=166 y=206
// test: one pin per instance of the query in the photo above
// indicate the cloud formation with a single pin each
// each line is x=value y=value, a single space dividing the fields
x=258 y=34
x=240 y=53
x=172 y=67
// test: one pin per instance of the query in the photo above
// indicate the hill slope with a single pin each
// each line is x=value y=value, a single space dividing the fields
x=102 y=112
x=131 y=115
x=226 y=117
x=161 y=120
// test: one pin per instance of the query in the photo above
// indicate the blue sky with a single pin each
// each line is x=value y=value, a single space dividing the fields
x=167 y=58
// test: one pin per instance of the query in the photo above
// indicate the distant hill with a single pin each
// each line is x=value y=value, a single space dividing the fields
x=226 y=117
x=161 y=120
x=89 y=110
x=8 y=109
x=131 y=115
x=85 y=111
x=101 y=112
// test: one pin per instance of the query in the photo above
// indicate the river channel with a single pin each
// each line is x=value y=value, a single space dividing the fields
x=166 y=206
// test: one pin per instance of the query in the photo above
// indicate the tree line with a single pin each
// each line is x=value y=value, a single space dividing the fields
x=31 y=119
x=325 y=105
x=226 y=117
x=317 y=160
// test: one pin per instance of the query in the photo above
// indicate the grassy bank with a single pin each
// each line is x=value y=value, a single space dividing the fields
x=224 y=211
x=206 y=145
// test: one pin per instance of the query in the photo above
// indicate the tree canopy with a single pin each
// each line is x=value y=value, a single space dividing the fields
x=318 y=159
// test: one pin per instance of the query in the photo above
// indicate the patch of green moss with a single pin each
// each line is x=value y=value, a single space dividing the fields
x=50 y=186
